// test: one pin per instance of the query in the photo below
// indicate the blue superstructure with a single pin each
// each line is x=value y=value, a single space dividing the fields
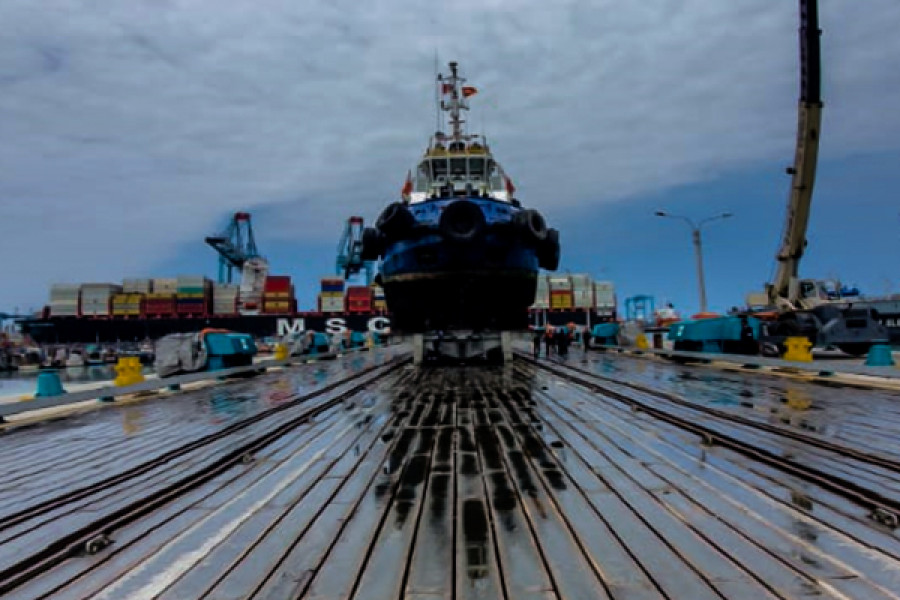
x=459 y=252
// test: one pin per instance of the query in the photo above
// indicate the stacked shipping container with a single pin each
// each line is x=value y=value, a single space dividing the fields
x=574 y=292
x=127 y=305
x=331 y=298
x=197 y=296
x=278 y=295
x=225 y=299
x=605 y=298
x=359 y=299
x=542 y=295
x=96 y=298
x=379 y=304
x=192 y=295
x=137 y=286
x=65 y=300
x=582 y=292
x=560 y=292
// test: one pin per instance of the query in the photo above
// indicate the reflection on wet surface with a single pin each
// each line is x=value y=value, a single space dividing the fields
x=493 y=482
x=848 y=414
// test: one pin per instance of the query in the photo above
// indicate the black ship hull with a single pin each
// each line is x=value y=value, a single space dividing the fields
x=83 y=330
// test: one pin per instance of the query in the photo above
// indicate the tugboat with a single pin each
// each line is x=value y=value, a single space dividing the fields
x=459 y=252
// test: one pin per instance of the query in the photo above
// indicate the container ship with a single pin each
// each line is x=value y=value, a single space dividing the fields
x=148 y=309
x=459 y=252
x=262 y=305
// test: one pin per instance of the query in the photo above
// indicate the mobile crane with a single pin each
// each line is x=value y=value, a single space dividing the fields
x=804 y=307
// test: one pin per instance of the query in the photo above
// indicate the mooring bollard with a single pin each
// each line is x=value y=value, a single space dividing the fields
x=48 y=384
x=128 y=371
x=880 y=355
x=798 y=349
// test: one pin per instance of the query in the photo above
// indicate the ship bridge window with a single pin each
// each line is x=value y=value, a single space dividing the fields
x=439 y=167
x=494 y=172
x=422 y=178
x=476 y=167
x=458 y=166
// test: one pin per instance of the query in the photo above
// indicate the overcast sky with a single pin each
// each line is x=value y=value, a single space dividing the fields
x=130 y=130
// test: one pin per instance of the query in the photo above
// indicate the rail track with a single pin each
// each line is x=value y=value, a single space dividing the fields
x=21 y=531
x=880 y=475
x=514 y=483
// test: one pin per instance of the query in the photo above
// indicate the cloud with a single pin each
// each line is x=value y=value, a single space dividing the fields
x=130 y=128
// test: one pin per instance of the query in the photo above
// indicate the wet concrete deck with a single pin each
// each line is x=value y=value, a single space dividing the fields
x=463 y=483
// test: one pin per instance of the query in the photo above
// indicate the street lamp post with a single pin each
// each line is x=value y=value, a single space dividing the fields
x=698 y=247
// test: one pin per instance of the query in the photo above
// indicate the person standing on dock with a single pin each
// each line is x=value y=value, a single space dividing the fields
x=548 y=340
x=536 y=343
x=562 y=342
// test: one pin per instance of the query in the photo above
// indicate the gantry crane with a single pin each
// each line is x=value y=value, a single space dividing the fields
x=235 y=245
x=349 y=252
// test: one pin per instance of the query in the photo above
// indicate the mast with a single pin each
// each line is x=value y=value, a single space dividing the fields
x=451 y=86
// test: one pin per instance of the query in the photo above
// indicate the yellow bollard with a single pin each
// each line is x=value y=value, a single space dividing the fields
x=128 y=371
x=798 y=349
x=641 y=342
x=281 y=352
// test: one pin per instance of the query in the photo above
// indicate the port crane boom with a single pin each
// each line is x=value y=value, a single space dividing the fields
x=236 y=245
x=805 y=307
x=803 y=171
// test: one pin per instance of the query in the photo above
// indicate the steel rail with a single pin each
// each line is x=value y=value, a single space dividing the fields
x=95 y=535
x=883 y=509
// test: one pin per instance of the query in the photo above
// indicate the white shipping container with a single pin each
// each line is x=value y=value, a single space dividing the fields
x=604 y=294
x=165 y=285
x=542 y=299
x=64 y=310
x=331 y=304
x=137 y=286
x=580 y=280
x=64 y=297
x=583 y=298
x=560 y=284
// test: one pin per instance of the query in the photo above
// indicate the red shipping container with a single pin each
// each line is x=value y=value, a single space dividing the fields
x=278 y=284
x=359 y=291
x=359 y=305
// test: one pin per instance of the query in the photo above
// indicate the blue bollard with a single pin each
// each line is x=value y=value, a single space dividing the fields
x=880 y=356
x=48 y=384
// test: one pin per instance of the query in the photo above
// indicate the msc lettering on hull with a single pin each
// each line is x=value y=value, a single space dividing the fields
x=334 y=325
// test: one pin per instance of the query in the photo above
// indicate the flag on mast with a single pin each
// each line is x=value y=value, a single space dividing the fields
x=468 y=90
x=407 y=186
x=510 y=188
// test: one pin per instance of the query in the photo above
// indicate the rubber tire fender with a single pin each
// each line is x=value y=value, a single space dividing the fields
x=548 y=251
x=395 y=221
x=462 y=221
x=372 y=246
x=531 y=224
